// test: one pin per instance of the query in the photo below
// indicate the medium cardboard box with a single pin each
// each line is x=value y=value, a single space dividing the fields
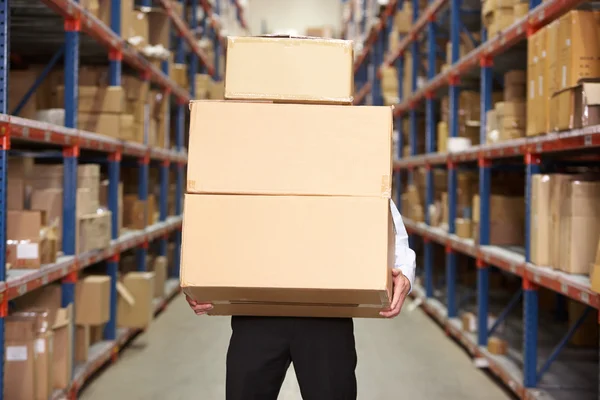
x=325 y=150
x=134 y=212
x=160 y=276
x=541 y=220
x=135 y=88
x=94 y=231
x=202 y=86
x=579 y=226
x=160 y=31
x=19 y=358
x=139 y=287
x=558 y=191
x=96 y=99
x=50 y=201
x=579 y=48
x=289 y=69
x=126 y=12
x=92 y=296
x=104 y=124
x=63 y=344
x=139 y=30
x=179 y=73
x=533 y=61
x=578 y=106
x=15 y=197
x=82 y=343
x=273 y=232
x=497 y=346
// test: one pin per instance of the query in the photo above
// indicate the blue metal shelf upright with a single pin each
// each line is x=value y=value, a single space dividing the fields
x=79 y=26
x=525 y=375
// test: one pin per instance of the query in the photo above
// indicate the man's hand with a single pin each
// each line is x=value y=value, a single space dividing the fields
x=199 y=308
x=401 y=289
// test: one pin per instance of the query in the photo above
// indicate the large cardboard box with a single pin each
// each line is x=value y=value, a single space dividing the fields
x=126 y=12
x=94 y=231
x=15 y=197
x=19 y=359
x=579 y=48
x=579 y=227
x=139 y=287
x=558 y=191
x=290 y=149
x=290 y=69
x=160 y=28
x=63 y=347
x=541 y=220
x=550 y=73
x=92 y=296
x=272 y=236
x=577 y=106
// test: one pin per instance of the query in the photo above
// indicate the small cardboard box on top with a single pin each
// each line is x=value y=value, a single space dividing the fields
x=290 y=69
x=303 y=198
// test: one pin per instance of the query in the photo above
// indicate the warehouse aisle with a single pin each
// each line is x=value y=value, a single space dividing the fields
x=181 y=357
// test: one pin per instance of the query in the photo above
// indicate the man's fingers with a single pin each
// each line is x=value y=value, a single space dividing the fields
x=202 y=307
x=396 y=272
x=397 y=292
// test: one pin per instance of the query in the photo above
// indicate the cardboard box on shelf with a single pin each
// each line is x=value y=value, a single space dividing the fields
x=105 y=123
x=28 y=356
x=126 y=13
x=139 y=30
x=29 y=242
x=82 y=343
x=578 y=48
x=579 y=226
x=497 y=346
x=160 y=23
x=463 y=228
x=202 y=86
x=96 y=99
x=179 y=73
x=289 y=76
x=534 y=44
x=63 y=354
x=94 y=231
x=577 y=106
x=134 y=212
x=92 y=296
x=304 y=285
x=344 y=150
x=135 y=88
x=136 y=293
x=160 y=275
x=541 y=220
x=15 y=197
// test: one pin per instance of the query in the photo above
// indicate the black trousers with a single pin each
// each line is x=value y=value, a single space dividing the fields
x=261 y=349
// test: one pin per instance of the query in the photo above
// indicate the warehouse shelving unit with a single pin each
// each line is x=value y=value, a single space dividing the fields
x=72 y=142
x=526 y=377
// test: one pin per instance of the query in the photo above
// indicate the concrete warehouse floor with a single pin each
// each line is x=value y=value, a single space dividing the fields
x=182 y=356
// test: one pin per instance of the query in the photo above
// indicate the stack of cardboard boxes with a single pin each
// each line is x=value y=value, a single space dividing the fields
x=34 y=221
x=563 y=67
x=304 y=192
x=497 y=15
x=564 y=220
x=92 y=297
x=38 y=355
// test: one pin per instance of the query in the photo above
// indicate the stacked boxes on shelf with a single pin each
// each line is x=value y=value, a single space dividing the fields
x=39 y=345
x=297 y=189
x=558 y=82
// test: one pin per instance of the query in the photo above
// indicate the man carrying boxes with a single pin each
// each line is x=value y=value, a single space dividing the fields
x=289 y=225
